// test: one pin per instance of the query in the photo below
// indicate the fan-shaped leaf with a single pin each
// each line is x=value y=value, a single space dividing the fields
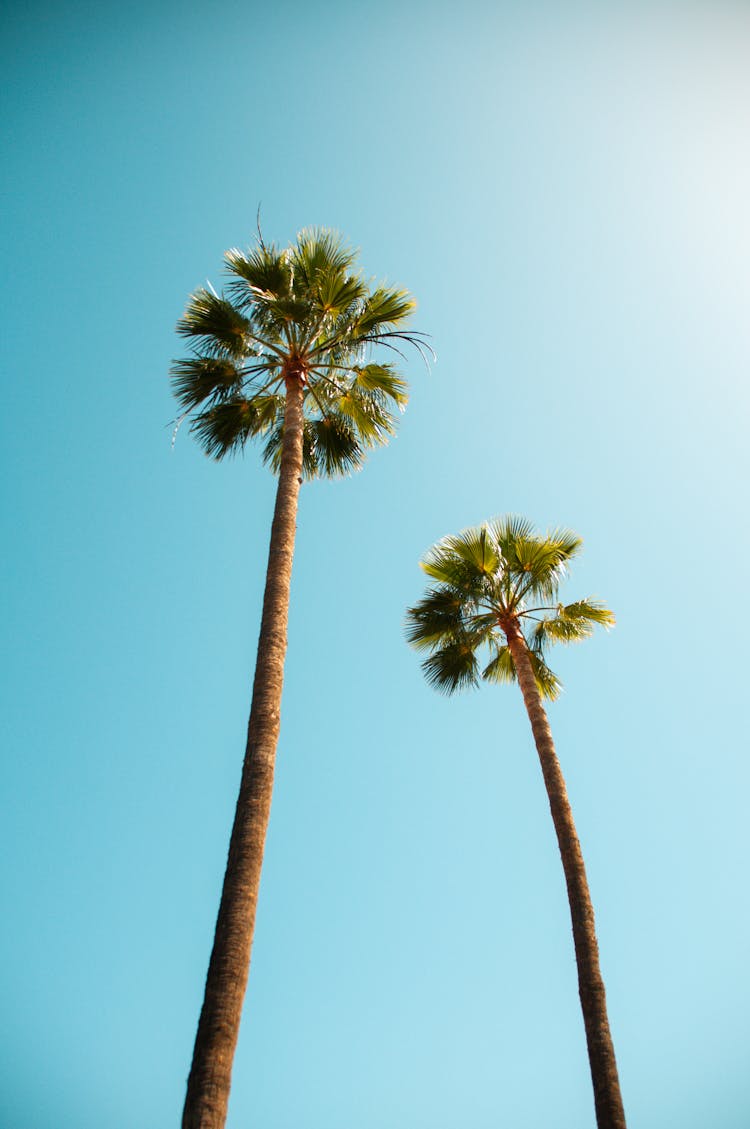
x=196 y=379
x=318 y=252
x=227 y=426
x=262 y=271
x=548 y=683
x=452 y=667
x=384 y=308
x=501 y=667
x=382 y=378
x=220 y=328
x=365 y=410
x=438 y=616
x=336 y=445
x=591 y=610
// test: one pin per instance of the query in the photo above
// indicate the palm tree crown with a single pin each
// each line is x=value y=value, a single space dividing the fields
x=492 y=579
x=303 y=312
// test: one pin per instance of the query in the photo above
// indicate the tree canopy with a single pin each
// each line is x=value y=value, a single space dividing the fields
x=490 y=579
x=305 y=311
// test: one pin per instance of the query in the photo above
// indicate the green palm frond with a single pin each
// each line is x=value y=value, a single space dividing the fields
x=452 y=667
x=383 y=309
x=565 y=542
x=337 y=293
x=382 y=378
x=591 y=610
x=225 y=428
x=541 y=564
x=337 y=446
x=436 y=618
x=534 y=564
x=551 y=630
x=318 y=252
x=217 y=326
x=447 y=566
x=368 y=413
x=548 y=683
x=260 y=272
x=501 y=667
x=197 y=379
x=571 y=623
x=475 y=547
x=285 y=311
x=506 y=531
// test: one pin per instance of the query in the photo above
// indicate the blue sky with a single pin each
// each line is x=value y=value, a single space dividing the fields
x=566 y=195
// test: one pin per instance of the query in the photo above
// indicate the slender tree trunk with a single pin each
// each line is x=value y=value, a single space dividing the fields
x=607 y=1098
x=211 y=1072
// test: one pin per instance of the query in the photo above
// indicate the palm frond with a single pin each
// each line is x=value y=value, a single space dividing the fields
x=263 y=284
x=225 y=428
x=467 y=562
x=505 y=531
x=385 y=307
x=438 y=616
x=369 y=415
x=337 y=446
x=196 y=379
x=539 y=567
x=288 y=311
x=263 y=271
x=548 y=683
x=452 y=667
x=501 y=667
x=383 y=378
x=553 y=630
x=571 y=623
x=446 y=567
x=319 y=251
x=475 y=548
x=217 y=325
x=566 y=543
x=337 y=293
x=592 y=610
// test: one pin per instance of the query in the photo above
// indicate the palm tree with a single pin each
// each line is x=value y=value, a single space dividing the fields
x=491 y=614
x=283 y=356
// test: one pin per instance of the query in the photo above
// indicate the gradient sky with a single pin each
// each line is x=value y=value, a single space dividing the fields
x=566 y=193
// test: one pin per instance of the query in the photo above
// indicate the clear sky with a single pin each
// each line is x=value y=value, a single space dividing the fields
x=565 y=190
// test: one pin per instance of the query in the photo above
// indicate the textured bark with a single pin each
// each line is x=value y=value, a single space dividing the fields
x=211 y=1072
x=607 y=1099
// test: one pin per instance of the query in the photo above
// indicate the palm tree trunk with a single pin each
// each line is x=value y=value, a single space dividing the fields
x=607 y=1098
x=211 y=1072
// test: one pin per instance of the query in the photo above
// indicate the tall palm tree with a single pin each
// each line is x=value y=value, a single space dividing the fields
x=490 y=615
x=283 y=357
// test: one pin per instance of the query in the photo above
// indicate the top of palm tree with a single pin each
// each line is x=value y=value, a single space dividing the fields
x=491 y=579
x=302 y=312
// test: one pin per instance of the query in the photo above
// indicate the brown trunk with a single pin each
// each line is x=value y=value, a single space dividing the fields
x=607 y=1097
x=211 y=1072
